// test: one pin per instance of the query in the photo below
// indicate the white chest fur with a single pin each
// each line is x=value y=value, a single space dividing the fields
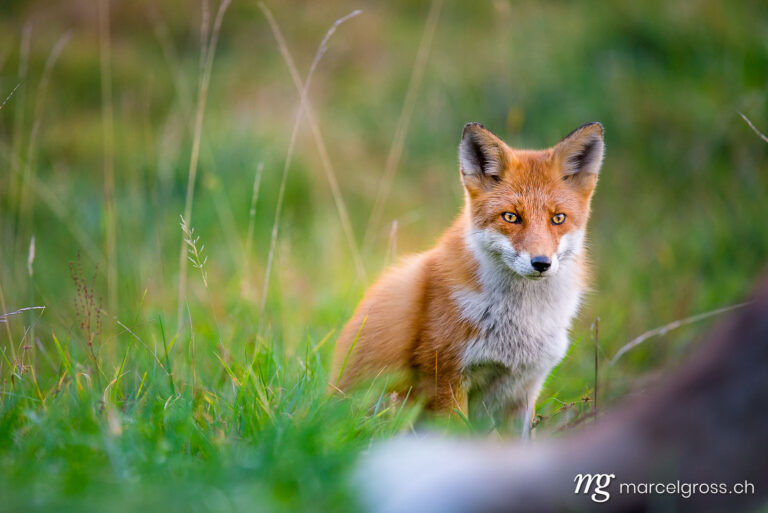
x=522 y=323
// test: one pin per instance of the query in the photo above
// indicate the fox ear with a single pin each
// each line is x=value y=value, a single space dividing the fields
x=580 y=154
x=482 y=158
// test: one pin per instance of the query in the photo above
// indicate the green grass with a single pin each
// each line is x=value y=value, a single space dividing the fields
x=261 y=431
x=117 y=409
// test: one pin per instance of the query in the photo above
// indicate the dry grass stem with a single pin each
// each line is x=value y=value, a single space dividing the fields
x=663 y=330
x=26 y=206
x=108 y=133
x=391 y=254
x=403 y=122
x=207 y=52
x=9 y=96
x=758 y=132
x=31 y=257
x=57 y=207
x=195 y=253
x=18 y=117
x=7 y=325
x=245 y=285
x=170 y=55
x=305 y=106
x=303 y=109
x=4 y=317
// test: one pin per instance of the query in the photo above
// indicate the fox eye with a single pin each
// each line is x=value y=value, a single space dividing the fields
x=511 y=217
x=558 y=219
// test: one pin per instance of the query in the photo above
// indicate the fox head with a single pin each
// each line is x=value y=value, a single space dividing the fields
x=529 y=209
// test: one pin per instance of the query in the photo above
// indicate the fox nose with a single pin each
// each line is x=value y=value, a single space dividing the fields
x=541 y=263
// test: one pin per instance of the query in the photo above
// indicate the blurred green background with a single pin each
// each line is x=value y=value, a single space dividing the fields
x=678 y=224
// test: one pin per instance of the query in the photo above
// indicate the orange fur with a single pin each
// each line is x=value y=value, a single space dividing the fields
x=408 y=322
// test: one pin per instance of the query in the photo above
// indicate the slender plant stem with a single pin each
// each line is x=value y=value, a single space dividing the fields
x=9 y=96
x=596 y=326
x=401 y=130
x=325 y=160
x=108 y=131
x=246 y=274
x=44 y=193
x=26 y=205
x=391 y=254
x=208 y=50
x=758 y=132
x=7 y=325
x=303 y=108
x=663 y=330
x=18 y=119
x=220 y=203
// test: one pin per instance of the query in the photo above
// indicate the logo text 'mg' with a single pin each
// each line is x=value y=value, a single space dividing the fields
x=601 y=481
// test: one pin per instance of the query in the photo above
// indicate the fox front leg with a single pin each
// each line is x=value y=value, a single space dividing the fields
x=528 y=419
x=530 y=408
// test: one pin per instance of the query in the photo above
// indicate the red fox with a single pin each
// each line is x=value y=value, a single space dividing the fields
x=479 y=321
